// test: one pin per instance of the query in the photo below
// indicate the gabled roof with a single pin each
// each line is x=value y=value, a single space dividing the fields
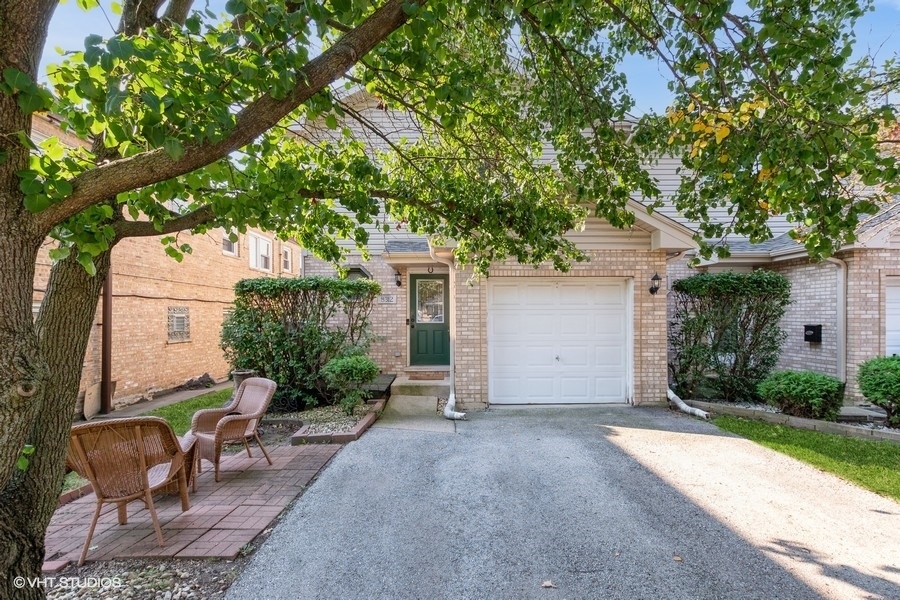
x=875 y=231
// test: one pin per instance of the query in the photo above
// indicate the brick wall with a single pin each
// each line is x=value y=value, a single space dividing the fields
x=814 y=295
x=813 y=302
x=146 y=284
x=868 y=271
x=389 y=313
x=649 y=347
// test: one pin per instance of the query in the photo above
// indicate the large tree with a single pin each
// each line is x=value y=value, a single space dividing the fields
x=210 y=110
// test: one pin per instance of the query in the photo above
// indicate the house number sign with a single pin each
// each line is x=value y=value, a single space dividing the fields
x=387 y=299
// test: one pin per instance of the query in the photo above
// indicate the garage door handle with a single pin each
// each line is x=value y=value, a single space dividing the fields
x=557 y=359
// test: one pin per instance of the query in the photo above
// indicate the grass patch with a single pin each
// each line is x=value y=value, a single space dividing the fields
x=73 y=481
x=179 y=415
x=874 y=465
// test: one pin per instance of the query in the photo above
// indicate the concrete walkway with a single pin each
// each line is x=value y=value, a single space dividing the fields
x=592 y=502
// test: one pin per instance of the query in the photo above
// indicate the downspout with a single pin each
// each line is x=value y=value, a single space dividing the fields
x=670 y=395
x=841 y=318
x=106 y=347
x=450 y=408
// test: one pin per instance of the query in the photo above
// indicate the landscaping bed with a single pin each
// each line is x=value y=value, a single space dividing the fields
x=769 y=414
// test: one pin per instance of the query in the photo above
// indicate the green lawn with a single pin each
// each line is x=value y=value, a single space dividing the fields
x=874 y=465
x=179 y=415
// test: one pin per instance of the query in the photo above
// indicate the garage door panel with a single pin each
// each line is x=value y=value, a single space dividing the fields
x=609 y=324
x=504 y=294
x=609 y=294
x=539 y=295
x=609 y=358
x=576 y=389
x=582 y=321
x=572 y=326
x=541 y=324
x=575 y=295
x=608 y=389
x=572 y=356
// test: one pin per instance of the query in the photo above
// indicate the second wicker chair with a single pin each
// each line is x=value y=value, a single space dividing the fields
x=237 y=421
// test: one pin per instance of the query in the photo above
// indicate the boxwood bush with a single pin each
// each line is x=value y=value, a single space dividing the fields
x=879 y=381
x=346 y=376
x=804 y=394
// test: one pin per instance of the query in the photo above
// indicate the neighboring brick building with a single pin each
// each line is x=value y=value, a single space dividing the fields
x=167 y=316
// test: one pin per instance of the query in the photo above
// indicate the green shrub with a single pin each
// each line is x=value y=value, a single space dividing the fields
x=287 y=329
x=879 y=381
x=346 y=375
x=804 y=394
x=725 y=337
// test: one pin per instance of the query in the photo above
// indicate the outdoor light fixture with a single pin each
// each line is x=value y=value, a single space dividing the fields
x=397 y=279
x=654 y=283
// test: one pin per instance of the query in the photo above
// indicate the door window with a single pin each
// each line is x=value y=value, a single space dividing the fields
x=429 y=301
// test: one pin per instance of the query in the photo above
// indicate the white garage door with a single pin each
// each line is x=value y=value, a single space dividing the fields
x=558 y=340
x=892 y=317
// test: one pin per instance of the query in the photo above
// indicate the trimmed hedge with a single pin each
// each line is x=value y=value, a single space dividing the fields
x=879 y=381
x=804 y=394
x=288 y=329
x=725 y=336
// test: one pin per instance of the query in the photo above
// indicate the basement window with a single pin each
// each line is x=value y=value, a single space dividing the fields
x=179 y=323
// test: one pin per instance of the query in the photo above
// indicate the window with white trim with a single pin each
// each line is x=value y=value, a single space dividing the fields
x=285 y=259
x=230 y=248
x=260 y=253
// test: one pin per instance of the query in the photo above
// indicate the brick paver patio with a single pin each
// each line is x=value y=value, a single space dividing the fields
x=223 y=517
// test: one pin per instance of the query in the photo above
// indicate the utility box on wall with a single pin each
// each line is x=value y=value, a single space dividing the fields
x=812 y=334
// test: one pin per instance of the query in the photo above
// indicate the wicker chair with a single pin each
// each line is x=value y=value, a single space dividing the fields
x=125 y=460
x=235 y=422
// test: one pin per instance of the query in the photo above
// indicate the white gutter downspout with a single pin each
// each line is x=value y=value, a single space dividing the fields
x=841 y=318
x=670 y=395
x=450 y=408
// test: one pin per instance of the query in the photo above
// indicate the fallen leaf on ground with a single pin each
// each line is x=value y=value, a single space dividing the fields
x=677 y=558
x=547 y=584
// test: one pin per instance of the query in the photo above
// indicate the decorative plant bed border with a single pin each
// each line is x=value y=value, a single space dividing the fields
x=304 y=437
x=75 y=494
x=798 y=422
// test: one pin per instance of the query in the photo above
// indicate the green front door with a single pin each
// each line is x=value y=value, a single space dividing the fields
x=429 y=324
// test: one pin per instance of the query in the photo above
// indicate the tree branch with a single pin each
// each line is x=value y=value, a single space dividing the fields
x=151 y=167
x=202 y=215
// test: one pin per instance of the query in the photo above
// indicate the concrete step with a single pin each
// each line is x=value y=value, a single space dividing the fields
x=862 y=414
x=404 y=386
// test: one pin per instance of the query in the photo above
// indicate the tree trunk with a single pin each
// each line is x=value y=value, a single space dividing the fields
x=28 y=499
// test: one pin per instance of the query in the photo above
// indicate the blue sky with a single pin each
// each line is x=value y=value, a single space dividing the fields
x=878 y=34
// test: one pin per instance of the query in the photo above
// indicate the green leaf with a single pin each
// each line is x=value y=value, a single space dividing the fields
x=174 y=148
x=61 y=253
x=16 y=80
x=114 y=98
x=87 y=261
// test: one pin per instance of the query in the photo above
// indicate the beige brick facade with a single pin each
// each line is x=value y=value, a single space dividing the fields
x=147 y=285
x=649 y=322
x=814 y=294
x=813 y=302
x=470 y=324
x=388 y=319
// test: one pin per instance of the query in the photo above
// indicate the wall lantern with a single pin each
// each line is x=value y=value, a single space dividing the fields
x=397 y=279
x=654 y=283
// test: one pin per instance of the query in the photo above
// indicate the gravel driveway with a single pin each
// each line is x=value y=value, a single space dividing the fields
x=592 y=502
